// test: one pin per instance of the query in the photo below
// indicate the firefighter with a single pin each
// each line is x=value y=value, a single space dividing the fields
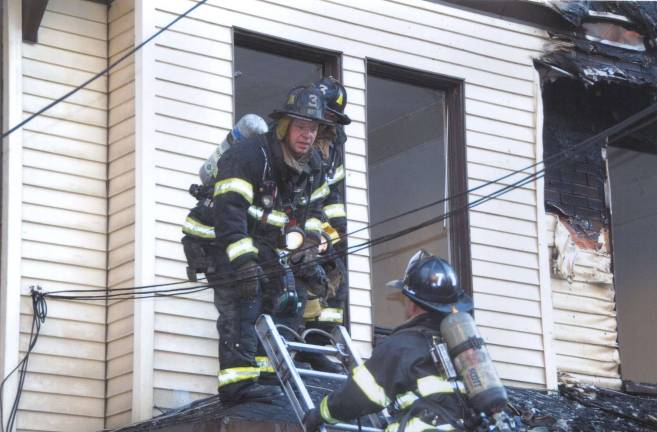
x=401 y=374
x=267 y=186
x=325 y=313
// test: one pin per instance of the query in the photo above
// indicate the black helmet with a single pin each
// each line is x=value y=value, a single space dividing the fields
x=336 y=98
x=431 y=282
x=306 y=103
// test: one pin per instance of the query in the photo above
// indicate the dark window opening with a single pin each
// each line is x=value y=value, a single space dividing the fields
x=415 y=157
x=266 y=69
x=575 y=190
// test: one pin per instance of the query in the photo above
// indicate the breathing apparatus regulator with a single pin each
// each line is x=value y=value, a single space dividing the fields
x=430 y=282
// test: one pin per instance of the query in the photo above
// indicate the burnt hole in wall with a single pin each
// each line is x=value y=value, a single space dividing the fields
x=575 y=188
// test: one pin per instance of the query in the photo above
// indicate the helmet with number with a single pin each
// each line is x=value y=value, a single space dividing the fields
x=336 y=98
x=306 y=103
x=430 y=282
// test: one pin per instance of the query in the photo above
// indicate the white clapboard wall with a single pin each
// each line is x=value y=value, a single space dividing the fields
x=121 y=212
x=193 y=103
x=64 y=217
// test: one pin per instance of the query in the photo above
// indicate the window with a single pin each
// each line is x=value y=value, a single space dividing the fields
x=266 y=69
x=416 y=156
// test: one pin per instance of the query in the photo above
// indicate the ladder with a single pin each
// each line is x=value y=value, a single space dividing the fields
x=278 y=351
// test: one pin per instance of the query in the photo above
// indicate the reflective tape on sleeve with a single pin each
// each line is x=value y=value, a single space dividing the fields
x=374 y=392
x=313 y=224
x=275 y=217
x=328 y=229
x=264 y=364
x=338 y=175
x=321 y=192
x=332 y=315
x=335 y=211
x=427 y=386
x=241 y=247
x=237 y=374
x=236 y=185
x=196 y=228
x=325 y=413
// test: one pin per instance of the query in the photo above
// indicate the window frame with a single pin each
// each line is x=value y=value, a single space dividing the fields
x=331 y=66
x=457 y=175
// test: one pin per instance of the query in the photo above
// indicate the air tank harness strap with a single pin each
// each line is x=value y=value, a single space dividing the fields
x=471 y=343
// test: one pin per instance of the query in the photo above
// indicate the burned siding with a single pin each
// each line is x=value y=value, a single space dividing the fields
x=597 y=71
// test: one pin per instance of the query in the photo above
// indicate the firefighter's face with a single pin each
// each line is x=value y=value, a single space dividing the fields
x=301 y=135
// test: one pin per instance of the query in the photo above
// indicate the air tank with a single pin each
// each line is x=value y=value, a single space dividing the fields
x=246 y=127
x=486 y=393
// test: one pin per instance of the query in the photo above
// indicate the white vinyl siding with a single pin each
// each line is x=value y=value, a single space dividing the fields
x=121 y=212
x=494 y=57
x=64 y=241
x=193 y=113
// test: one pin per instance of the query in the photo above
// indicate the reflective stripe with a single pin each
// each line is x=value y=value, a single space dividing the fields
x=313 y=224
x=236 y=185
x=237 y=374
x=333 y=315
x=196 y=228
x=264 y=364
x=427 y=386
x=335 y=236
x=337 y=175
x=369 y=386
x=320 y=192
x=241 y=247
x=417 y=425
x=335 y=211
x=325 y=413
x=275 y=217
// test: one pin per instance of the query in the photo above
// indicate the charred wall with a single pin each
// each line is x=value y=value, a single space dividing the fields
x=575 y=188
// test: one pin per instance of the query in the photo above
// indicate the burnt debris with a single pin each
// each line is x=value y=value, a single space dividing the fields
x=600 y=68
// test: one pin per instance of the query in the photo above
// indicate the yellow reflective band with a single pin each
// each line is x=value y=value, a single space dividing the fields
x=374 y=392
x=321 y=192
x=328 y=229
x=196 y=228
x=334 y=211
x=333 y=315
x=337 y=175
x=237 y=374
x=325 y=413
x=417 y=425
x=433 y=384
x=264 y=364
x=236 y=185
x=275 y=217
x=313 y=224
x=427 y=386
x=241 y=247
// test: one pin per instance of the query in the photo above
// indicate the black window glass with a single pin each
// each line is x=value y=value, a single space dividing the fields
x=262 y=80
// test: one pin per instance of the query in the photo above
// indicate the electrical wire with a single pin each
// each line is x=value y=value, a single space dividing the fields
x=624 y=128
x=101 y=73
x=39 y=313
x=40 y=307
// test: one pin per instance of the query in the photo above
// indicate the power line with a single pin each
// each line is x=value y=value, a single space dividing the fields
x=101 y=73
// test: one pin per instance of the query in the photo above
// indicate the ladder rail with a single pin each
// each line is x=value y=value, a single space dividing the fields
x=290 y=377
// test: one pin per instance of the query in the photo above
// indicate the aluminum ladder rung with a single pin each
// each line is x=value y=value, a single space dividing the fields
x=290 y=376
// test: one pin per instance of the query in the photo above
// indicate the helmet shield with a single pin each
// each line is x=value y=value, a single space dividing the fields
x=306 y=103
x=431 y=282
x=336 y=98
